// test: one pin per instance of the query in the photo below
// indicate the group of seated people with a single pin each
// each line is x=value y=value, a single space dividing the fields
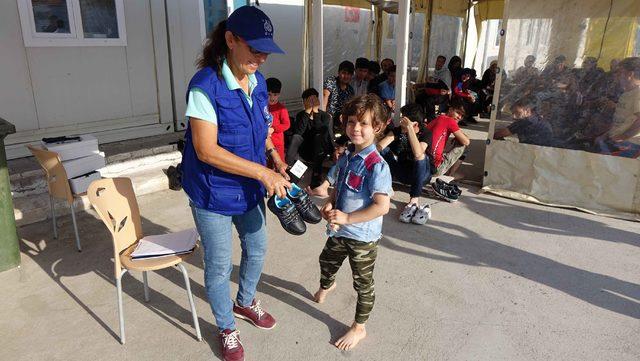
x=455 y=82
x=417 y=149
x=583 y=108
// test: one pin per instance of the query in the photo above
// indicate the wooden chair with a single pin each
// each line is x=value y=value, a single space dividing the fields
x=115 y=202
x=58 y=184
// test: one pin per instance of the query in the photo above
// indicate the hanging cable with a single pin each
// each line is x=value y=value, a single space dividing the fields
x=604 y=33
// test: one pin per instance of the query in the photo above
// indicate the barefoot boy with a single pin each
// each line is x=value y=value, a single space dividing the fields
x=354 y=211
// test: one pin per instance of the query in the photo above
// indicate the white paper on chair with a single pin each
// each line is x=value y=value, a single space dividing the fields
x=170 y=244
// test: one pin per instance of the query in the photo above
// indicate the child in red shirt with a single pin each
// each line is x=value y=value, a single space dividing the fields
x=441 y=128
x=281 y=121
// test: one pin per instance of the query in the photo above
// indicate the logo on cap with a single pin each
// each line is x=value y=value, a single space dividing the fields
x=268 y=28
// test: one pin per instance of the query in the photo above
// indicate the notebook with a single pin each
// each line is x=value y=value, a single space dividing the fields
x=163 y=245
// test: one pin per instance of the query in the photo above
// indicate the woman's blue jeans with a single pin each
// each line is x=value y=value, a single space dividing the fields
x=216 y=238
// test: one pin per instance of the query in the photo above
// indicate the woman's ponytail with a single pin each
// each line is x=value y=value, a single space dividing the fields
x=215 y=49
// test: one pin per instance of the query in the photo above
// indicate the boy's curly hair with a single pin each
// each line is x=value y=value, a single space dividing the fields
x=369 y=103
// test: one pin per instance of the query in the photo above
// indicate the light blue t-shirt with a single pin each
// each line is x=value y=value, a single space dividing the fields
x=199 y=105
x=355 y=187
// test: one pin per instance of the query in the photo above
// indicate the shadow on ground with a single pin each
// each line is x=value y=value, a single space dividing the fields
x=60 y=261
x=467 y=247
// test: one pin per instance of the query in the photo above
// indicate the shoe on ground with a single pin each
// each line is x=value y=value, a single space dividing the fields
x=444 y=191
x=452 y=186
x=309 y=211
x=408 y=212
x=232 y=349
x=287 y=214
x=423 y=214
x=462 y=123
x=455 y=188
x=256 y=315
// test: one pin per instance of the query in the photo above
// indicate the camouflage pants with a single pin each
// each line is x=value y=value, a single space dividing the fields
x=362 y=259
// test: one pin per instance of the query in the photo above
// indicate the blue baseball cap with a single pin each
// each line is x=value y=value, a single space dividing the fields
x=254 y=27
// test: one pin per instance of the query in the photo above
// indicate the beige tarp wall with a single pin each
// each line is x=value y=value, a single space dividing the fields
x=569 y=176
x=560 y=177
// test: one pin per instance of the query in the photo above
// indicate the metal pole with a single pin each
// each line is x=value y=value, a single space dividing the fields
x=401 y=56
x=9 y=249
x=466 y=33
x=318 y=61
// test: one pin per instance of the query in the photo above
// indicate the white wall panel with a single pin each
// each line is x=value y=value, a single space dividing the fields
x=79 y=84
x=139 y=57
x=16 y=95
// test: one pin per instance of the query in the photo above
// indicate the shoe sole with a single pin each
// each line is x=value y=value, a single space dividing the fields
x=253 y=323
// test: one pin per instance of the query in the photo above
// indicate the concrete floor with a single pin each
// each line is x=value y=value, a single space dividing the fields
x=486 y=279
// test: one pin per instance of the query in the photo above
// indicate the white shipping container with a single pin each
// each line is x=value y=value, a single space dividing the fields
x=80 y=184
x=67 y=150
x=84 y=165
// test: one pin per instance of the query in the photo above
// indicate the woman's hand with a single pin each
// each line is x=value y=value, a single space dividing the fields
x=281 y=167
x=274 y=182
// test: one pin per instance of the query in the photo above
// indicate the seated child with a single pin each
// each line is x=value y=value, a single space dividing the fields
x=431 y=95
x=388 y=89
x=443 y=162
x=312 y=136
x=404 y=148
x=354 y=211
x=279 y=113
x=463 y=92
x=528 y=126
x=323 y=189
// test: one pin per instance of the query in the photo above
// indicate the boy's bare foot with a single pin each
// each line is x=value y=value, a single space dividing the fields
x=350 y=339
x=321 y=294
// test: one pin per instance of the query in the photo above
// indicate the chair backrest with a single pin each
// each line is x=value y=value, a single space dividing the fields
x=56 y=175
x=115 y=202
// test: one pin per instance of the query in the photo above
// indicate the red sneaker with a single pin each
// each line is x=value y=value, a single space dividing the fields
x=256 y=315
x=231 y=346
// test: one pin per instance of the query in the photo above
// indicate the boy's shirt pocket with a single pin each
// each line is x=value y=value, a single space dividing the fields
x=354 y=181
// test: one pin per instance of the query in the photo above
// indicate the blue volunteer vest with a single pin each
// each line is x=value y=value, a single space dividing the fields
x=242 y=130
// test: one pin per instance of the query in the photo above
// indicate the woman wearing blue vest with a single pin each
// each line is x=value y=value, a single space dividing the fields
x=224 y=172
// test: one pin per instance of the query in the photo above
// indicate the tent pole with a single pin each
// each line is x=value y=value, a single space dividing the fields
x=466 y=32
x=318 y=56
x=305 y=46
x=423 y=71
x=372 y=31
x=498 y=84
x=401 y=57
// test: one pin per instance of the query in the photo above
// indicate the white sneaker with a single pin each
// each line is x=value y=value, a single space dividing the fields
x=408 y=212
x=422 y=215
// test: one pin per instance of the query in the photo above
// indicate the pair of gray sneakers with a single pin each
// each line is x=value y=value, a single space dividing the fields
x=415 y=213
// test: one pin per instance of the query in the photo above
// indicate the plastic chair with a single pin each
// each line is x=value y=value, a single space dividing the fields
x=58 y=184
x=115 y=202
